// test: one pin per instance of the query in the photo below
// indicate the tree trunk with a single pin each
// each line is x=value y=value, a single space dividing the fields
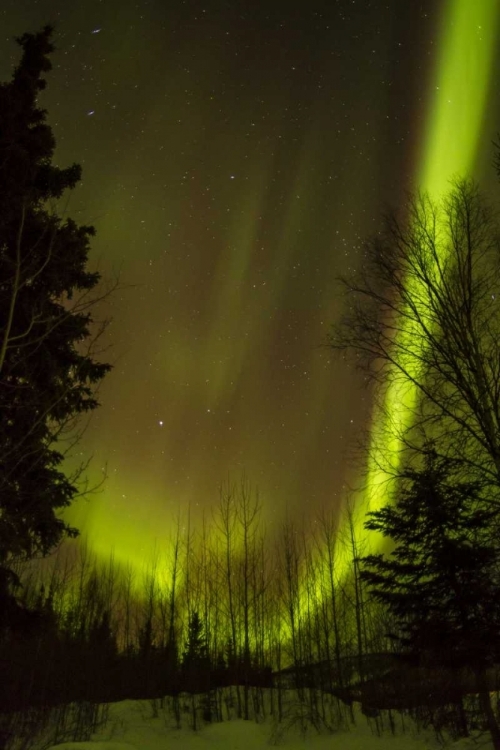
x=487 y=709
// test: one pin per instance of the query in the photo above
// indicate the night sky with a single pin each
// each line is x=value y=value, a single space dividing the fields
x=234 y=156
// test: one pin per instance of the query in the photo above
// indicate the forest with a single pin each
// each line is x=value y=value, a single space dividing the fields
x=393 y=606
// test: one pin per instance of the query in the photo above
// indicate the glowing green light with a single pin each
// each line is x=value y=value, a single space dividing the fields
x=464 y=69
x=463 y=73
x=453 y=128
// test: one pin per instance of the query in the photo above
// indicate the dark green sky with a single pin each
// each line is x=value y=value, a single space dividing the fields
x=234 y=156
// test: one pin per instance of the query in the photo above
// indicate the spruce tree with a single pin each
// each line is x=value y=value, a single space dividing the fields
x=47 y=373
x=196 y=647
x=441 y=579
x=195 y=660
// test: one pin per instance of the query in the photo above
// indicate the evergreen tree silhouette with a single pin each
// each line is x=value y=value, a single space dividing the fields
x=195 y=661
x=440 y=581
x=47 y=372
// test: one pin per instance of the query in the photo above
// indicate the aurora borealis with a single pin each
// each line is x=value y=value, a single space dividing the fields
x=457 y=105
x=234 y=156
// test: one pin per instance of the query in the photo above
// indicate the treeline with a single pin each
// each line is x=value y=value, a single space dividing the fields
x=221 y=605
x=226 y=612
x=222 y=613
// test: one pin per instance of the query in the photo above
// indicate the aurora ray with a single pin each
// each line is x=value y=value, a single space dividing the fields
x=452 y=135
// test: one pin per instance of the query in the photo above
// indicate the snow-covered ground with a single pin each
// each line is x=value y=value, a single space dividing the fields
x=132 y=725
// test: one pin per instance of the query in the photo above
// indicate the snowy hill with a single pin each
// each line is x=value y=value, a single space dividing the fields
x=145 y=725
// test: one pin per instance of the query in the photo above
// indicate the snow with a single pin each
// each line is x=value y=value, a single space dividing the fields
x=134 y=725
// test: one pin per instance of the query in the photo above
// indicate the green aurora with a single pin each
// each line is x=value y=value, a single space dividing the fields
x=233 y=162
x=458 y=97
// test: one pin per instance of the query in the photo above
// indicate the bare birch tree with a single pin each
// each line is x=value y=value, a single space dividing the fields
x=423 y=313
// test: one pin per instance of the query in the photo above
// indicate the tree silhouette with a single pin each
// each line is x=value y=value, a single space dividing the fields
x=195 y=654
x=195 y=662
x=424 y=314
x=441 y=580
x=48 y=373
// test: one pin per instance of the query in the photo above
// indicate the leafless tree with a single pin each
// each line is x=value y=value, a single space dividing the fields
x=247 y=514
x=226 y=524
x=423 y=322
x=291 y=553
x=326 y=543
x=355 y=548
x=127 y=601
